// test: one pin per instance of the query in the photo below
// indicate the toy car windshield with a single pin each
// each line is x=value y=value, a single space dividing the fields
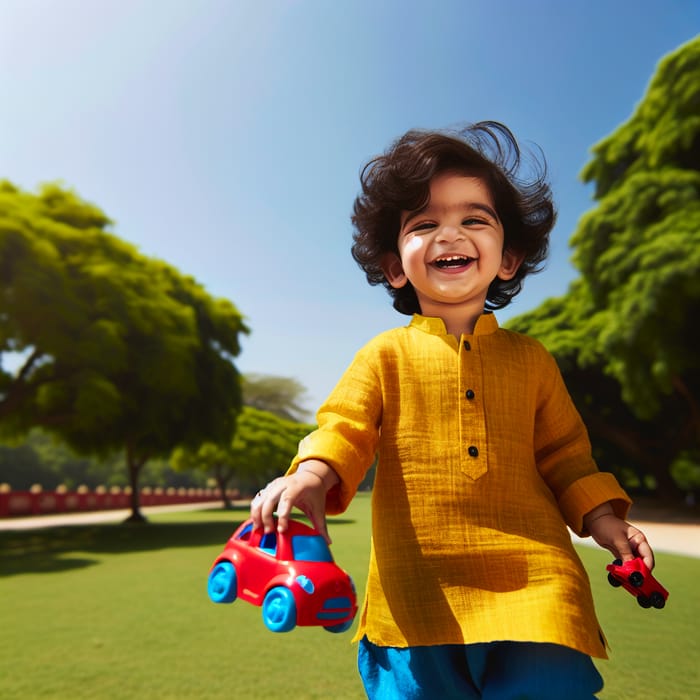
x=310 y=548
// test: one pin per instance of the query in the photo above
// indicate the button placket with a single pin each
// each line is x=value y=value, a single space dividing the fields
x=472 y=417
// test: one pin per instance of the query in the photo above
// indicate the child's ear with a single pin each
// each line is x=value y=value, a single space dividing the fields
x=510 y=263
x=393 y=270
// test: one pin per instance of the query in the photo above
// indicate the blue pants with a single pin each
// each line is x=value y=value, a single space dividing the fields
x=496 y=670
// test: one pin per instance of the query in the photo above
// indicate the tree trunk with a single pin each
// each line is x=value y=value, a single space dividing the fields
x=134 y=466
x=221 y=476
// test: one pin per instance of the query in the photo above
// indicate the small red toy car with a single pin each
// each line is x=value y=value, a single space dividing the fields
x=292 y=575
x=634 y=577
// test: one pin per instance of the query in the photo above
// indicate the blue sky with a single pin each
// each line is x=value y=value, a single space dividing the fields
x=226 y=137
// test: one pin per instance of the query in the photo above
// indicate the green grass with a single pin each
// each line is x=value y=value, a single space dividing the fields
x=115 y=611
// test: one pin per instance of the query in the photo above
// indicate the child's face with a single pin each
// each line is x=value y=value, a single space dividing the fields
x=451 y=250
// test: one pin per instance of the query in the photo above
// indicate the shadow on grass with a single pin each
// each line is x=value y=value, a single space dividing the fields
x=49 y=549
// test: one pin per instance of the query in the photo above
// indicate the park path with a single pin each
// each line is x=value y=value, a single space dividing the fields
x=675 y=535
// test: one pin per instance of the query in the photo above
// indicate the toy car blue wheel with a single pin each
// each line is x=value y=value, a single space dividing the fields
x=222 y=585
x=279 y=610
x=342 y=627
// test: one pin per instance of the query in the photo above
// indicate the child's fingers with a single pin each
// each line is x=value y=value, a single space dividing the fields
x=624 y=549
x=318 y=520
x=643 y=549
x=284 y=510
x=262 y=507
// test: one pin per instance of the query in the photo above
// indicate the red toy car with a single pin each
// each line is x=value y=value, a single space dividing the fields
x=634 y=577
x=291 y=574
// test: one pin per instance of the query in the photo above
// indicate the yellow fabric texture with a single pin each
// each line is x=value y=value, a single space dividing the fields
x=483 y=461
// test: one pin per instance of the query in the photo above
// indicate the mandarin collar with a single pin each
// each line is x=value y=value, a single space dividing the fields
x=485 y=324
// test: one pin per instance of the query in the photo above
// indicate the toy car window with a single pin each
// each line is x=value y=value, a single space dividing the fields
x=268 y=543
x=245 y=532
x=310 y=548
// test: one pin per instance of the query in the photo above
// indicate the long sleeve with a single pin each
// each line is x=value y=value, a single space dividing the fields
x=563 y=454
x=348 y=431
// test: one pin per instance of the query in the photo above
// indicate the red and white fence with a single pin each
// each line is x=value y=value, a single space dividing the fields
x=39 y=502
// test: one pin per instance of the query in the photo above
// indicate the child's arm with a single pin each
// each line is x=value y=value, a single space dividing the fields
x=616 y=535
x=306 y=489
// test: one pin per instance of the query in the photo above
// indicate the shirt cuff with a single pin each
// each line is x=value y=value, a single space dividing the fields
x=588 y=493
x=319 y=446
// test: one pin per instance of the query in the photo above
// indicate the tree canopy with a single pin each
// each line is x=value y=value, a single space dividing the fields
x=259 y=450
x=639 y=249
x=629 y=319
x=115 y=349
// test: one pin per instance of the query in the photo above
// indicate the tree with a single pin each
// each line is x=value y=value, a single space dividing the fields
x=117 y=350
x=639 y=250
x=261 y=448
x=282 y=396
x=625 y=333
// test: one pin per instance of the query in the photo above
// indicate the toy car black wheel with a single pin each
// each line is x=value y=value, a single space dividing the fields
x=613 y=581
x=279 y=610
x=657 y=600
x=223 y=584
x=636 y=579
x=644 y=601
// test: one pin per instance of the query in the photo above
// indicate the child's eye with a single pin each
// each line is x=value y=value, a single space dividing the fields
x=423 y=226
x=473 y=221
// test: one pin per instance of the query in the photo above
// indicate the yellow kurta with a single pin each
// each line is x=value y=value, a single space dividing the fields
x=483 y=461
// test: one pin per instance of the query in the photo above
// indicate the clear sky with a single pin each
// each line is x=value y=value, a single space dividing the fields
x=226 y=137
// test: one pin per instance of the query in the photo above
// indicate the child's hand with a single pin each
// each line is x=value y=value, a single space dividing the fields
x=306 y=489
x=619 y=537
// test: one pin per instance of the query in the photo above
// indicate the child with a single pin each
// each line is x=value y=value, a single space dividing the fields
x=474 y=588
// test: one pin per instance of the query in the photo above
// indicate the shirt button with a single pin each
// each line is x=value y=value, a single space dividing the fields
x=469 y=394
x=467 y=345
x=473 y=451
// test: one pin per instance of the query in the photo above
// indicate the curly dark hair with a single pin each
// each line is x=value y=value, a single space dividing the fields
x=399 y=180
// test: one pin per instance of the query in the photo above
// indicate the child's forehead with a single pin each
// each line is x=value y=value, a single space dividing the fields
x=454 y=192
x=450 y=187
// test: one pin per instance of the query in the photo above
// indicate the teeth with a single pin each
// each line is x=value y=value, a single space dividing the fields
x=453 y=260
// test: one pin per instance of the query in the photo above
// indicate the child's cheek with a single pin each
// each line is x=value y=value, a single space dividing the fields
x=414 y=244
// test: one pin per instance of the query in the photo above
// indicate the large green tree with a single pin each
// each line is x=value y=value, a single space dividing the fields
x=629 y=320
x=113 y=349
x=639 y=249
x=261 y=448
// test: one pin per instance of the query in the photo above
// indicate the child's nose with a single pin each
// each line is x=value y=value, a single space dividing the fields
x=449 y=233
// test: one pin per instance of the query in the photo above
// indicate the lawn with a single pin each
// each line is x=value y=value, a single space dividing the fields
x=117 y=611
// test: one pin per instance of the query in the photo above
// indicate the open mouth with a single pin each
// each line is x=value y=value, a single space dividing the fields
x=453 y=261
